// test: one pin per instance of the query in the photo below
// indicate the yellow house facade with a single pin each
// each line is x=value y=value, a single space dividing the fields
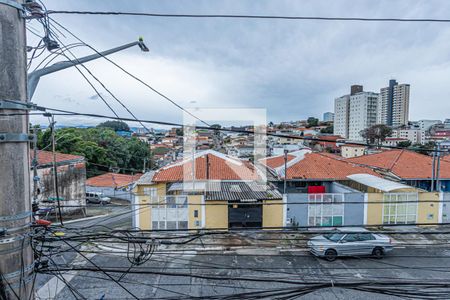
x=227 y=192
x=387 y=202
x=159 y=207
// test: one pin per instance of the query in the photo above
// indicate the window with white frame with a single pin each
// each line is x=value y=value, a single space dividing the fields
x=400 y=208
x=325 y=209
x=151 y=191
x=171 y=213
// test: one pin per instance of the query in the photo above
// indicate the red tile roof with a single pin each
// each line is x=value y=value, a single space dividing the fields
x=330 y=137
x=276 y=161
x=46 y=157
x=221 y=167
x=332 y=155
x=319 y=166
x=316 y=166
x=353 y=146
x=403 y=163
x=112 y=180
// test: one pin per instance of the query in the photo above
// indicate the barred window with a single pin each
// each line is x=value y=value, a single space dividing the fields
x=400 y=208
x=325 y=210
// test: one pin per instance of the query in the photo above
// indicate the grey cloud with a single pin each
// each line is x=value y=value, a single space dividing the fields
x=294 y=69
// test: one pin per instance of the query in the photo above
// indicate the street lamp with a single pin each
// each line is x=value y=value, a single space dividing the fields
x=33 y=77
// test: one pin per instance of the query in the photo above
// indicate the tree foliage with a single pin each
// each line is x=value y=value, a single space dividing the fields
x=102 y=147
x=115 y=125
x=328 y=129
x=312 y=121
x=376 y=134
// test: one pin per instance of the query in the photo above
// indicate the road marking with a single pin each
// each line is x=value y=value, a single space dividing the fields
x=54 y=286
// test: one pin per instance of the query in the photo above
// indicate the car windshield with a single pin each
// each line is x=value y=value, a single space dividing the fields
x=334 y=237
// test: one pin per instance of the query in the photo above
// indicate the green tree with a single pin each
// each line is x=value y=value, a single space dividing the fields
x=311 y=121
x=179 y=132
x=328 y=129
x=102 y=147
x=115 y=125
x=376 y=134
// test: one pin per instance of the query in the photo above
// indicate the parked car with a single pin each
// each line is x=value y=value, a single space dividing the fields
x=350 y=242
x=97 y=198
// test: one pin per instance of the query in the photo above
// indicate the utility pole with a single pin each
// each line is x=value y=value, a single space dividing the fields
x=438 y=167
x=433 y=169
x=285 y=169
x=16 y=255
x=55 y=171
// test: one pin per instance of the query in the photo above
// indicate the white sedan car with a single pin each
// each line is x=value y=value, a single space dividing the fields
x=349 y=242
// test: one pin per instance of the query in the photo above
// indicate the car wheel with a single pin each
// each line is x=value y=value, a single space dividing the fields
x=330 y=254
x=378 y=252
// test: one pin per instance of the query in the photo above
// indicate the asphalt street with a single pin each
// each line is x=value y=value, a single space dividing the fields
x=236 y=266
x=104 y=215
x=205 y=274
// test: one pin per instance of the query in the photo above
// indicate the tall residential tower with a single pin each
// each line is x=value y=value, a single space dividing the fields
x=355 y=112
x=393 y=104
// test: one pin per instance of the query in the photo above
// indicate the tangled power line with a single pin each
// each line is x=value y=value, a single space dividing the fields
x=143 y=248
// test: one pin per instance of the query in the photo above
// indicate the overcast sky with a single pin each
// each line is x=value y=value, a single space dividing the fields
x=294 y=69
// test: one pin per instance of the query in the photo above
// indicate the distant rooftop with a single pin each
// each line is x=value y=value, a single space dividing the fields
x=46 y=158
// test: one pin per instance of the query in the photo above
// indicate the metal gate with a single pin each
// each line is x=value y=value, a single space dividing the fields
x=244 y=215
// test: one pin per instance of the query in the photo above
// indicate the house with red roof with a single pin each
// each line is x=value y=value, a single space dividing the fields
x=328 y=190
x=208 y=190
x=71 y=170
x=306 y=169
x=316 y=193
x=406 y=166
x=113 y=185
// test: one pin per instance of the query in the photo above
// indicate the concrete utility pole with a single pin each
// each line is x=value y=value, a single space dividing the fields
x=16 y=255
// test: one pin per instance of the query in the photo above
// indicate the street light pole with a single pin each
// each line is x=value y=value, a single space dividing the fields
x=33 y=77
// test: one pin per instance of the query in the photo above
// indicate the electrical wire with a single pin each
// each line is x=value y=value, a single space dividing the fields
x=342 y=277
x=89 y=82
x=102 y=85
x=132 y=75
x=102 y=270
x=61 y=112
x=55 y=54
x=242 y=16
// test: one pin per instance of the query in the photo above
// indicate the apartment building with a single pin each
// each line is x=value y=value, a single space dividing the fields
x=328 y=117
x=415 y=136
x=355 y=112
x=426 y=124
x=341 y=115
x=363 y=113
x=393 y=106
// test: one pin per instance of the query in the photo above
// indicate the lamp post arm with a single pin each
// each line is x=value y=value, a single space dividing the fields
x=33 y=77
